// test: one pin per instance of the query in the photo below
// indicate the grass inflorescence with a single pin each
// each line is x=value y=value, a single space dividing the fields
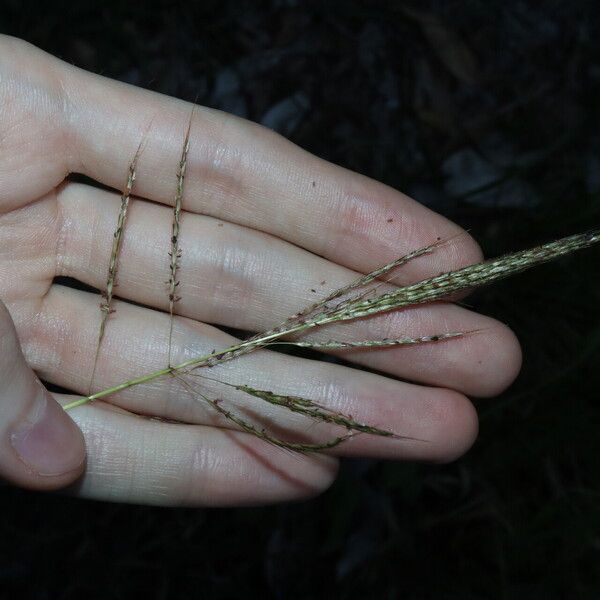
x=115 y=253
x=175 y=251
x=361 y=298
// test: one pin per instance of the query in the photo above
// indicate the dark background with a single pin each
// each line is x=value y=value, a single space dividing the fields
x=486 y=111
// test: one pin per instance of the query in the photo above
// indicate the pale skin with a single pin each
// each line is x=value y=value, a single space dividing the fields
x=266 y=229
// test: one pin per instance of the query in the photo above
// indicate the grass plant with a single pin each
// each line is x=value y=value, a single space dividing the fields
x=362 y=298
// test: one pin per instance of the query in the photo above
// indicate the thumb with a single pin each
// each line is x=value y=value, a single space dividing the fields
x=40 y=446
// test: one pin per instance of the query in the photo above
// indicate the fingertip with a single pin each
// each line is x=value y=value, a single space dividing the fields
x=464 y=248
x=458 y=427
x=278 y=476
x=482 y=363
x=49 y=446
x=323 y=472
x=499 y=359
x=445 y=426
x=430 y=424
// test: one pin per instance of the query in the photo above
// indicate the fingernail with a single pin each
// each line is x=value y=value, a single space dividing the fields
x=49 y=442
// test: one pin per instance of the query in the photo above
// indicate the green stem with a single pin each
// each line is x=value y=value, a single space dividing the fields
x=188 y=364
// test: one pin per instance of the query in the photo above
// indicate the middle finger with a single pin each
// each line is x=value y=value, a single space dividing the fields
x=238 y=277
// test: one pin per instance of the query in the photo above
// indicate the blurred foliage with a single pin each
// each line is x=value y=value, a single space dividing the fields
x=486 y=111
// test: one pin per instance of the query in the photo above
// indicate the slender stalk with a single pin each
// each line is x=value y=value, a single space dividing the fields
x=175 y=252
x=361 y=281
x=261 y=433
x=113 y=266
x=310 y=408
x=384 y=343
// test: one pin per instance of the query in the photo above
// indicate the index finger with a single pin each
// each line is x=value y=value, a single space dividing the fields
x=236 y=170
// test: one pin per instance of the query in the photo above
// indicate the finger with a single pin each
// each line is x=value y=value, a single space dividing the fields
x=237 y=171
x=136 y=342
x=40 y=446
x=225 y=267
x=138 y=460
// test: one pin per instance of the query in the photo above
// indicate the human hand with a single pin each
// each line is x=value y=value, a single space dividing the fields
x=266 y=229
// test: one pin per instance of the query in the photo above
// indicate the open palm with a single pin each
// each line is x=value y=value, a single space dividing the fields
x=266 y=229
